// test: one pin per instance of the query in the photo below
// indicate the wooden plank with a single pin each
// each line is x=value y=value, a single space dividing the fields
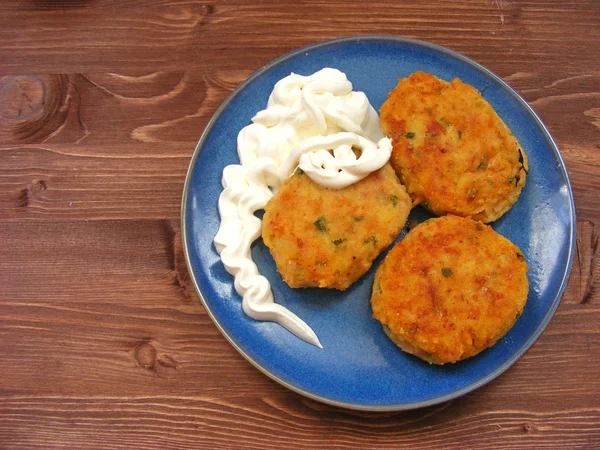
x=109 y=113
x=174 y=107
x=192 y=35
x=154 y=422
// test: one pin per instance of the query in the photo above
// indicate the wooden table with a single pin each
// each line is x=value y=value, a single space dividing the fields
x=103 y=341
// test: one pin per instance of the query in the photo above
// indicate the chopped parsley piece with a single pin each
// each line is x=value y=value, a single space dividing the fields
x=378 y=287
x=338 y=242
x=447 y=272
x=484 y=163
x=371 y=240
x=428 y=357
x=394 y=199
x=321 y=224
x=410 y=135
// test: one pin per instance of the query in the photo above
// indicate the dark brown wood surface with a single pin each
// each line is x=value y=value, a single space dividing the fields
x=104 y=343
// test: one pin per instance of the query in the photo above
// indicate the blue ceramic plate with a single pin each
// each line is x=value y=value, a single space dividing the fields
x=359 y=367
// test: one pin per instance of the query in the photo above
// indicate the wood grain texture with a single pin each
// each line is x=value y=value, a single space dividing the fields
x=103 y=341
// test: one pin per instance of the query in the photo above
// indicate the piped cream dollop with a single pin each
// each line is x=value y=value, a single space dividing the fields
x=313 y=122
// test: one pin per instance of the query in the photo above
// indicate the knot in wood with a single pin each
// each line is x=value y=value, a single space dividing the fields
x=30 y=192
x=38 y=186
x=32 y=106
x=145 y=355
x=21 y=96
x=207 y=9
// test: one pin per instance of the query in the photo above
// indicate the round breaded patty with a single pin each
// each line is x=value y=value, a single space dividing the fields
x=450 y=289
x=328 y=238
x=451 y=150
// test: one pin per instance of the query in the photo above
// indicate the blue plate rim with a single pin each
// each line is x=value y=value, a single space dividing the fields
x=402 y=406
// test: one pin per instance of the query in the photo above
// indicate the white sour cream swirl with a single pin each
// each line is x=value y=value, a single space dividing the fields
x=312 y=122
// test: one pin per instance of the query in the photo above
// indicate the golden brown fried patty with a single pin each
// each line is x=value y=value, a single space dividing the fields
x=450 y=148
x=450 y=289
x=328 y=238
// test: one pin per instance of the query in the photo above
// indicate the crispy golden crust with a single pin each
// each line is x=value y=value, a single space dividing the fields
x=451 y=150
x=328 y=238
x=450 y=289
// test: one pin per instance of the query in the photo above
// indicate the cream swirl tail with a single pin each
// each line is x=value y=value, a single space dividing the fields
x=239 y=228
x=312 y=121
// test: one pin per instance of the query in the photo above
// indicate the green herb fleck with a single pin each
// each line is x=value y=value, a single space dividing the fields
x=410 y=135
x=377 y=286
x=446 y=271
x=338 y=242
x=510 y=180
x=321 y=224
x=428 y=357
x=371 y=240
x=394 y=199
x=483 y=164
